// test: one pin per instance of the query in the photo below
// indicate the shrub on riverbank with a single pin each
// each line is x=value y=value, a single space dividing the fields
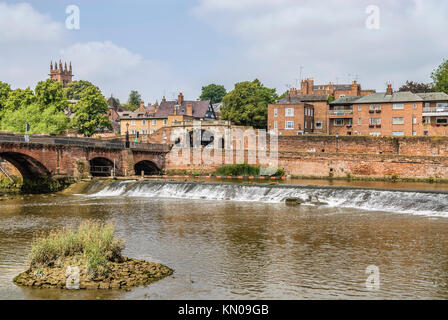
x=6 y=184
x=243 y=170
x=92 y=242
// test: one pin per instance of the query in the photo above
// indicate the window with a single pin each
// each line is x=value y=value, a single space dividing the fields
x=143 y=122
x=375 y=121
x=152 y=131
x=442 y=120
x=359 y=108
x=427 y=120
x=338 y=122
x=427 y=104
x=164 y=121
x=425 y=133
x=414 y=133
x=304 y=125
x=375 y=107
x=342 y=95
x=275 y=124
x=133 y=123
x=349 y=122
x=397 y=120
x=397 y=133
x=414 y=106
x=289 y=125
x=289 y=112
x=359 y=121
x=275 y=112
x=154 y=122
x=414 y=119
x=318 y=124
x=375 y=133
x=398 y=106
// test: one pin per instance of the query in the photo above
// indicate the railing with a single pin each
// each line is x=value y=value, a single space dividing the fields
x=340 y=112
x=82 y=142
x=101 y=169
x=435 y=109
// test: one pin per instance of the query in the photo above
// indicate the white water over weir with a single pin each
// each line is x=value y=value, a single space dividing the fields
x=409 y=201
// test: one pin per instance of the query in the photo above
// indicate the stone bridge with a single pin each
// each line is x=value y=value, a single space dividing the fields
x=57 y=156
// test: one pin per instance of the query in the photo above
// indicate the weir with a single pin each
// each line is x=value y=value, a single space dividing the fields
x=403 y=201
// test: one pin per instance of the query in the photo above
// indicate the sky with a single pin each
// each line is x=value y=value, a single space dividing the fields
x=165 y=47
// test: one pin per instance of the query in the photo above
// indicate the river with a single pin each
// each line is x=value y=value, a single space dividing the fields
x=239 y=241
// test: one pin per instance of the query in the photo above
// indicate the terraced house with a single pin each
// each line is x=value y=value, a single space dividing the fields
x=145 y=121
x=390 y=114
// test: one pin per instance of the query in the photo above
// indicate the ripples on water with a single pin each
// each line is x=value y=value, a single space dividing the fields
x=247 y=250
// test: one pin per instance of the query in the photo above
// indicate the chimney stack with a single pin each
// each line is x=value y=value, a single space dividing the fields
x=180 y=98
x=389 y=90
x=189 y=109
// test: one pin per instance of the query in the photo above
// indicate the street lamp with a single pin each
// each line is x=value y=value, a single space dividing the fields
x=127 y=135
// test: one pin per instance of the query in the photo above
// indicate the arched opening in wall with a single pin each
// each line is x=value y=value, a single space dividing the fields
x=101 y=167
x=148 y=168
x=14 y=163
x=206 y=137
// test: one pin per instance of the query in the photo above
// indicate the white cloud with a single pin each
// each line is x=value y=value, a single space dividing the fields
x=330 y=40
x=29 y=40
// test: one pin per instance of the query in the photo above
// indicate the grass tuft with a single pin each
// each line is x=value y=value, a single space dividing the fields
x=92 y=242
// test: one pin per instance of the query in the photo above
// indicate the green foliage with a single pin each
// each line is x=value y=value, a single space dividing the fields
x=440 y=77
x=242 y=169
x=50 y=93
x=43 y=110
x=213 y=92
x=74 y=89
x=5 y=89
x=416 y=87
x=90 y=112
x=247 y=104
x=93 y=242
x=330 y=99
x=283 y=95
x=134 y=101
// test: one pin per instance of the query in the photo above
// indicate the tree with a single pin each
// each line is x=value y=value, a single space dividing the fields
x=50 y=92
x=43 y=109
x=5 y=89
x=74 y=89
x=440 y=77
x=283 y=95
x=90 y=112
x=416 y=87
x=134 y=100
x=213 y=92
x=247 y=104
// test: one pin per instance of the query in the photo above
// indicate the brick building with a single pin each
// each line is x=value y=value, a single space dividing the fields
x=290 y=116
x=390 y=114
x=307 y=86
x=147 y=120
x=61 y=74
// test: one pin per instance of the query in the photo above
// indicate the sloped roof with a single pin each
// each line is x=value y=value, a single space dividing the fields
x=433 y=96
x=300 y=98
x=166 y=108
x=345 y=100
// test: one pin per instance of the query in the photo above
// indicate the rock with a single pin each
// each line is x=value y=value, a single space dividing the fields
x=293 y=201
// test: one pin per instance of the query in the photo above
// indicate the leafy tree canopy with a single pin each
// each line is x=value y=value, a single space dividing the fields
x=416 y=87
x=213 y=92
x=90 y=112
x=5 y=89
x=50 y=93
x=247 y=104
x=74 y=89
x=440 y=77
x=134 y=100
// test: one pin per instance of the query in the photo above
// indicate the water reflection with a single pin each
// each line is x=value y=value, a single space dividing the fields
x=241 y=250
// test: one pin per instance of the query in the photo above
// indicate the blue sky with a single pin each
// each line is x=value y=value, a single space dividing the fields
x=163 y=47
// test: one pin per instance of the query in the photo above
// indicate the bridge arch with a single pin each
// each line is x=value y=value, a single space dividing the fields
x=28 y=166
x=147 y=166
x=101 y=167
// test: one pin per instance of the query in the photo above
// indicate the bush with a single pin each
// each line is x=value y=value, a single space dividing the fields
x=243 y=170
x=92 y=242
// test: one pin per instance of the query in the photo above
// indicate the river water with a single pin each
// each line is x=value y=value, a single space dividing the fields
x=234 y=241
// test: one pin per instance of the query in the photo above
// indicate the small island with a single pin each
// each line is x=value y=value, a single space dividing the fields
x=87 y=257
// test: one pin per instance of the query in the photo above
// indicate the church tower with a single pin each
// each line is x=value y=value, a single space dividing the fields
x=61 y=74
